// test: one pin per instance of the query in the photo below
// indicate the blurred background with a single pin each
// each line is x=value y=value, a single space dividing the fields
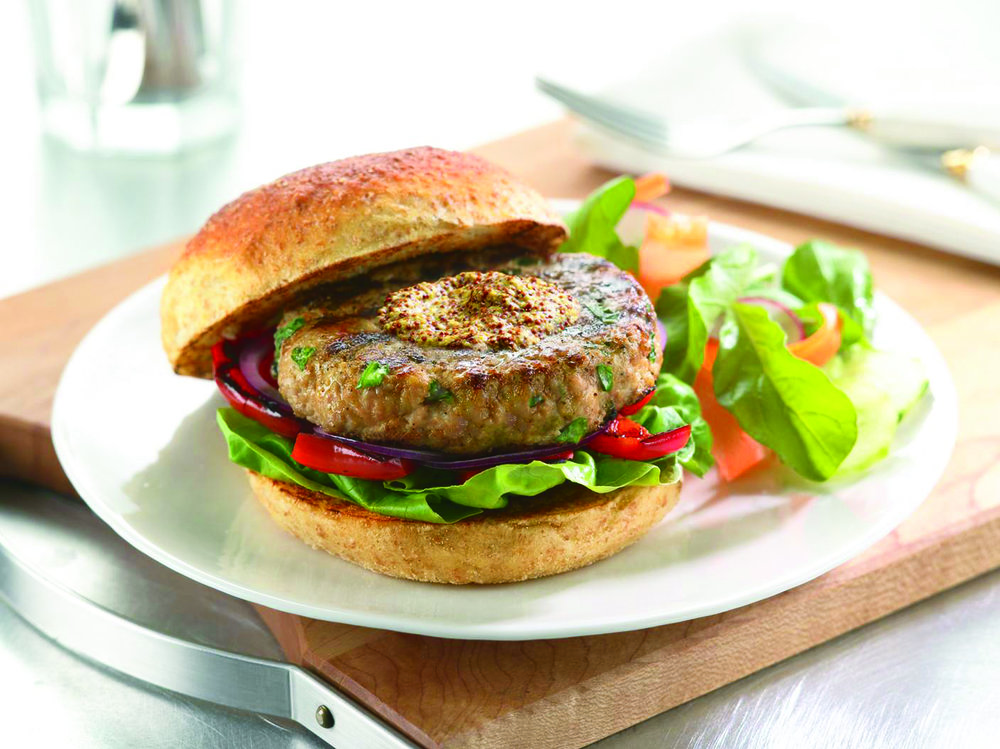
x=128 y=123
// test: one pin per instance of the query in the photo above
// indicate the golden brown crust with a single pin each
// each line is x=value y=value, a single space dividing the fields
x=333 y=221
x=558 y=531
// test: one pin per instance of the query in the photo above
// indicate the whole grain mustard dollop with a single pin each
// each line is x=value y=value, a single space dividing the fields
x=478 y=310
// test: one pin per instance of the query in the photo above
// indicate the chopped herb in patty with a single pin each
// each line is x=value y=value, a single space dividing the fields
x=373 y=375
x=302 y=354
x=437 y=393
x=605 y=376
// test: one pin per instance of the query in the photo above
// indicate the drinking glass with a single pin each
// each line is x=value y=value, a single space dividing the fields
x=135 y=76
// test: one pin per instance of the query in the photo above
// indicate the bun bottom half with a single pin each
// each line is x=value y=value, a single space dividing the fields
x=558 y=531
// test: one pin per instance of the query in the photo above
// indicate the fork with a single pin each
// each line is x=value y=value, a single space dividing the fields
x=714 y=136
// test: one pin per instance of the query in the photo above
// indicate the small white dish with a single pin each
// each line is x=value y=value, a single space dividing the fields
x=141 y=446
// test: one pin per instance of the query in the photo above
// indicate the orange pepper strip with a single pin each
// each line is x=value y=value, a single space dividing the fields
x=823 y=344
x=735 y=451
x=651 y=186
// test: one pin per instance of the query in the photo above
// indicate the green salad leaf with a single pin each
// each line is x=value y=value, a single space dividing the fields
x=432 y=495
x=673 y=405
x=780 y=400
x=883 y=387
x=691 y=308
x=592 y=227
x=254 y=446
x=821 y=272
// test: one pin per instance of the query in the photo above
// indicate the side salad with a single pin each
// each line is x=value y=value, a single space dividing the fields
x=780 y=358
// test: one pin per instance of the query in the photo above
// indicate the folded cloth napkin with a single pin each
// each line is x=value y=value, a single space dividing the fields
x=831 y=173
x=871 y=188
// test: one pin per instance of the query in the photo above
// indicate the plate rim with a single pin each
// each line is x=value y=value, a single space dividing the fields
x=944 y=393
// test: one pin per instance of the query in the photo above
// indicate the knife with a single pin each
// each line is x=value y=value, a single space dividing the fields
x=238 y=681
x=977 y=165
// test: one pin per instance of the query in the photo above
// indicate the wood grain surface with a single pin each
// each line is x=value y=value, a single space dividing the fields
x=559 y=693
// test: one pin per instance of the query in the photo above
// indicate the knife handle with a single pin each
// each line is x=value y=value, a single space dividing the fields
x=937 y=131
x=979 y=168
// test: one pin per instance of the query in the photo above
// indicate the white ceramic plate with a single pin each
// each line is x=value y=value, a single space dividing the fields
x=141 y=446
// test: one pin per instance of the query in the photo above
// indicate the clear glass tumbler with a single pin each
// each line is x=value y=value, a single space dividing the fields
x=154 y=77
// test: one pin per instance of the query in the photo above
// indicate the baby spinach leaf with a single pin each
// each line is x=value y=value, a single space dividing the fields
x=780 y=400
x=821 y=272
x=592 y=225
x=673 y=405
x=691 y=308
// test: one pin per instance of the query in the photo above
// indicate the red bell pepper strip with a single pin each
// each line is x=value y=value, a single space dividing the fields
x=635 y=407
x=631 y=441
x=244 y=398
x=333 y=457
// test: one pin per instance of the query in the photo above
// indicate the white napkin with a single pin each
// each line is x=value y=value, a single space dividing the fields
x=830 y=173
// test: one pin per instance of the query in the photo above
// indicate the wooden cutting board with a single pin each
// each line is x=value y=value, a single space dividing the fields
x=559 y=693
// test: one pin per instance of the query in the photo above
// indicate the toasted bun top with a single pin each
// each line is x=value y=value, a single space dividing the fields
x=332 y=221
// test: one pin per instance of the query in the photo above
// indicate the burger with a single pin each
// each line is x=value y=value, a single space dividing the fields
x=419 y=380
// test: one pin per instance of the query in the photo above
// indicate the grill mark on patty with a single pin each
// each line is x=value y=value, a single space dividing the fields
x=355 y=340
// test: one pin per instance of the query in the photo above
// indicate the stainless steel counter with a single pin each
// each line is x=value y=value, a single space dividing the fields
x=927 y=676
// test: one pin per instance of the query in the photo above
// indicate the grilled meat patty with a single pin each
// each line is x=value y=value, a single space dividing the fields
x=339 y=369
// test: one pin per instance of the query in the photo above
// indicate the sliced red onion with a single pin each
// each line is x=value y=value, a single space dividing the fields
x=252 y=353
x=645 y=205
x=434 y=459
x=663 y=334
x=794 y=329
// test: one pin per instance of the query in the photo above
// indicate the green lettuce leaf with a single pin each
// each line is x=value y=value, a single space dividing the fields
x=821 y=272
x=780 y=400
x=673 y=405
x=690 y=309
x=883 y=387
x=592 y=227
x=431 y=495
x=256 y=447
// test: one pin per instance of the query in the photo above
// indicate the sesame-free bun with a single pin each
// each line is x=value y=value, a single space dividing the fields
x=563 y=529
x=333 y=221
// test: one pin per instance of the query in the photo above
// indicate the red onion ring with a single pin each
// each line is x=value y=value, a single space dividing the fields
x=645 y=205
x=446 y=461
x=794 y=328
x=252 y=354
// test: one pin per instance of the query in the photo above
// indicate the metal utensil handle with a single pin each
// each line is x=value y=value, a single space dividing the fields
x=253 y=684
